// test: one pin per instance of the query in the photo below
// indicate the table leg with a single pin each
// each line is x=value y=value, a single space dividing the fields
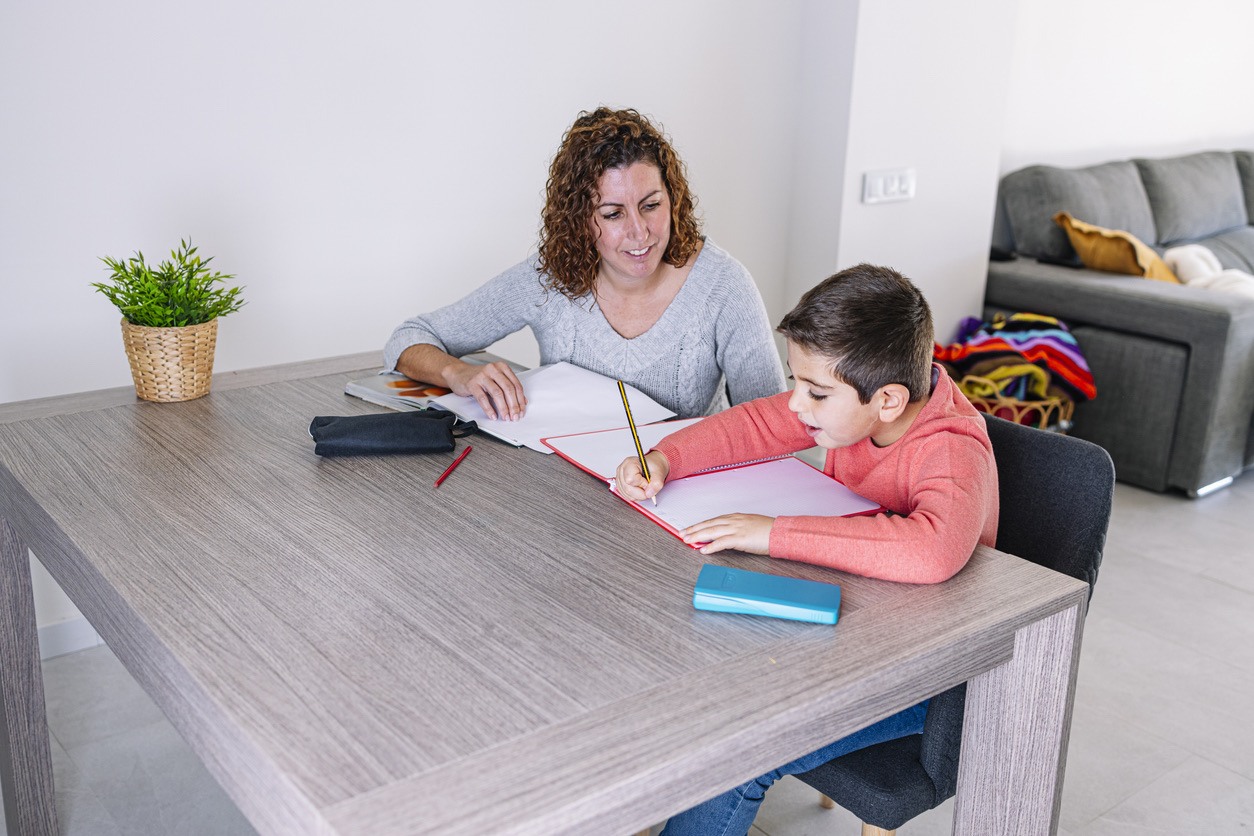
x=25 y=756
x=1014 y=738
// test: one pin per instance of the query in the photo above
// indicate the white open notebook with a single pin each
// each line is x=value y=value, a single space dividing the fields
x=780 y=487
x=561 y=399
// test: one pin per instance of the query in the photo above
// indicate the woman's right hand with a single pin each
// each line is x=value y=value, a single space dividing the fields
x=630 y=481
x=494 y=386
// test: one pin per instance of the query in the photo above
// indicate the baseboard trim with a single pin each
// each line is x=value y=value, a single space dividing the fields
x=67 y=637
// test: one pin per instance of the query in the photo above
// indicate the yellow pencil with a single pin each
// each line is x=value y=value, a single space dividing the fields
x=635 y=436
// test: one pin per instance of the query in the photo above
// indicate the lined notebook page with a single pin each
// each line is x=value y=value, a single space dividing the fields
x=779 y=488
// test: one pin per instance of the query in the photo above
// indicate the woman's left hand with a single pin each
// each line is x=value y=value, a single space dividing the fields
x=746 y=532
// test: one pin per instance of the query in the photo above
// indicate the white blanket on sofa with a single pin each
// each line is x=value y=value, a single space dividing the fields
x=1197 y=266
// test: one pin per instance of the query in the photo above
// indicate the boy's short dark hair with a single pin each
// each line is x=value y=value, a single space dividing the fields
x=873 y=324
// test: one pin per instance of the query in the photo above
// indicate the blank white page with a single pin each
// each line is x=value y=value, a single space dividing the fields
x=779 y=488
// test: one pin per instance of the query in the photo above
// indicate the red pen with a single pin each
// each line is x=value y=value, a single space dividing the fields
x=453 y=466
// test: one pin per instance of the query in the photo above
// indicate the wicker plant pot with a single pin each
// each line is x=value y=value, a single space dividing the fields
x=171 y=364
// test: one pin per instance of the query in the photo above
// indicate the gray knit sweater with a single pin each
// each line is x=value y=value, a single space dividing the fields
x=714 y=330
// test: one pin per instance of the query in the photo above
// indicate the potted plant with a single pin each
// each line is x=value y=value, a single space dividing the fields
x=170 y=320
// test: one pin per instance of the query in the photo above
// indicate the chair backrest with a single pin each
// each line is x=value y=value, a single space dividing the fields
x=1055 y=496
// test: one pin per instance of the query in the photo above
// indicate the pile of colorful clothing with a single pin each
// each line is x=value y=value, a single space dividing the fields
x=1025 y=358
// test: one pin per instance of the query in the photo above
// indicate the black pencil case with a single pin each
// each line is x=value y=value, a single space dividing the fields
x=379 y=434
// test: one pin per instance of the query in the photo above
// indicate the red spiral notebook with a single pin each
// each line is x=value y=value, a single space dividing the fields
x=778 y=487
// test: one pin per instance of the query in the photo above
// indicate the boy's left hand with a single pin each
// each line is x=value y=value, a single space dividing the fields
x=746 y=532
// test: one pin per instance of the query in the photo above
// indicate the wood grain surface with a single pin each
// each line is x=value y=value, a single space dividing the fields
x=350 y=650
x=25 y=756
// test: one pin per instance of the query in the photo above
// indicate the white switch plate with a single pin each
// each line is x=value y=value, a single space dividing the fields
x=888 y=184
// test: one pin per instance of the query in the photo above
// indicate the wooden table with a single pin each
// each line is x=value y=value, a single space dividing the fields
x=351 y=651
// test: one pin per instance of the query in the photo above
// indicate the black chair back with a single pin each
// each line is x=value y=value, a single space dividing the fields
x=1056 y=494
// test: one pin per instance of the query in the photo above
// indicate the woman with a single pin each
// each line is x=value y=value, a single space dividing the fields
x=623 y=284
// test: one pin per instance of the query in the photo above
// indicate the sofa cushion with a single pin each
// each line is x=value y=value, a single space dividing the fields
x=1113 y=250
x=1109 y=195
x=1194 y=196
x=1234 y=248
x=1245 y=166
x=1003 y=240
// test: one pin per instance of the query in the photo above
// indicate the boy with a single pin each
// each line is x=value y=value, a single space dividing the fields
x=897 y=431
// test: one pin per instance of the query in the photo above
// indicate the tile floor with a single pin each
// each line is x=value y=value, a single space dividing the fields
x=1161 y=741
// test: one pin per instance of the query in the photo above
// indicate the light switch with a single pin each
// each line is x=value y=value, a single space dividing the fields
x=887 y=185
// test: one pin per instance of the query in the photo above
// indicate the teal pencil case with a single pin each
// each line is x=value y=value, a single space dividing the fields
x=723 y=589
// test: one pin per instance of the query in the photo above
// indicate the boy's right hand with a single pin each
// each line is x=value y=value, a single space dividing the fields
x=629 y=478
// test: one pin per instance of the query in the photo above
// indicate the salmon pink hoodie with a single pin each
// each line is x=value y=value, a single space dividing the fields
x=939 y=481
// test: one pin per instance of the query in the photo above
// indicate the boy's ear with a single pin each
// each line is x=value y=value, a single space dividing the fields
x=893 y=400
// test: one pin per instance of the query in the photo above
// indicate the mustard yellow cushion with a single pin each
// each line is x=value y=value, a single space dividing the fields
x=1114 y=250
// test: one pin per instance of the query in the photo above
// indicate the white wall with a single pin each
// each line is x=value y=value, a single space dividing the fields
x=827 y=49
x=928 y=93
x=353 y=163
x=901 y=84
x=1097 y=81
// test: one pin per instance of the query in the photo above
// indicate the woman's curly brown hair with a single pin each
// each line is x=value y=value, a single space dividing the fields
x=601 y=140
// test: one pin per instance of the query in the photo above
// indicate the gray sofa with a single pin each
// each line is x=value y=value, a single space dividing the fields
x=1174 y=365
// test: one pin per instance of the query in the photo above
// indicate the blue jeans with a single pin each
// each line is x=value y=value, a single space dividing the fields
x=731 y=813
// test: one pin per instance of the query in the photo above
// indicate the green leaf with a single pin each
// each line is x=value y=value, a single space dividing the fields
x=180 y=291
